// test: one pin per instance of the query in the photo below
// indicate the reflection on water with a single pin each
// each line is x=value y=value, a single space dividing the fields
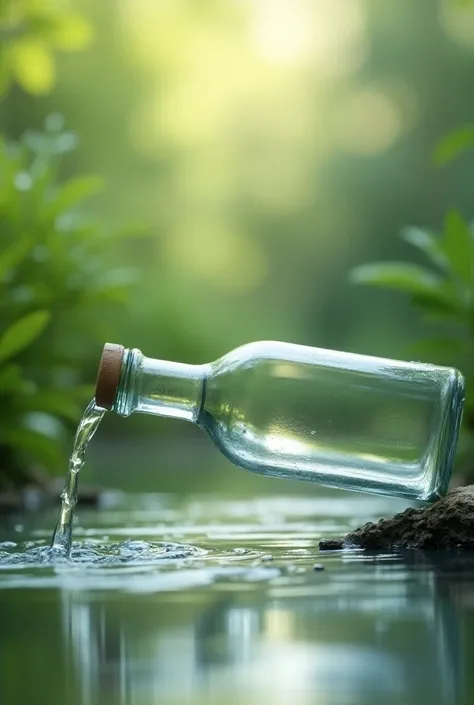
x=266 y=647
x=368 y=629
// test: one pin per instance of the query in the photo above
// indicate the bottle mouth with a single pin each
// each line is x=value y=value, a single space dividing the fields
x=108 y=376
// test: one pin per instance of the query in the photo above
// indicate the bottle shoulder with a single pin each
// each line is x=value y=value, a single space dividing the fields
x=291 y=355
x=254 y=353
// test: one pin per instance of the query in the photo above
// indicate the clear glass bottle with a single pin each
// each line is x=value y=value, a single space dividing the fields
x=344 y=420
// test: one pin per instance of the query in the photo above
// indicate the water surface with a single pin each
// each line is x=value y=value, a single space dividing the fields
x=203 y=599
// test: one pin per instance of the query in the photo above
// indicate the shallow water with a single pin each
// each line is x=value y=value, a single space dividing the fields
x=202 y=599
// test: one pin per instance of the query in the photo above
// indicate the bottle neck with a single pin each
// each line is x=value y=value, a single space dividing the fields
x=160 y=387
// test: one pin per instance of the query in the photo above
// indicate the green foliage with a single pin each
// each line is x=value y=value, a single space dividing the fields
x=22 y=333
x=56 y=286
x=454 y=144
x=444 y=292
x=30 y=32
x=447 y=288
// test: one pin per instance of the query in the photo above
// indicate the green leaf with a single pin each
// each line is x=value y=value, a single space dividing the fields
x=409 y=278
x=72 y=193
x=428 y=290
x=428 y=244
x=22 y=333
x=457 y=245
x=33 y=65
x=445 y=307
x=71 y=33
x=13 y=255
x=453 y=144
x=36 y=445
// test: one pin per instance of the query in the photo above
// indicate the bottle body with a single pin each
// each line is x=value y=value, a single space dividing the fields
x=349 y=421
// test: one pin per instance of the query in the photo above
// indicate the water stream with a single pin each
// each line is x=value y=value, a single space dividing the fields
x=62 y=536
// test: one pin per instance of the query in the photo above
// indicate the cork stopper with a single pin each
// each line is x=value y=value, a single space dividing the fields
x=108 y=377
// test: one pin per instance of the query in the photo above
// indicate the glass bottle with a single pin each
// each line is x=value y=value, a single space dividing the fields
x=344 y=420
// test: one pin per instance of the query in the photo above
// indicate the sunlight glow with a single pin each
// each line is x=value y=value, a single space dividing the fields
x=369 y=122
x=225 y=259
x=282 y=30
x=328 y=34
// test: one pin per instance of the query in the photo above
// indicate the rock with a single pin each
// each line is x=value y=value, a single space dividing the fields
x=447 y=524
x=331 y=544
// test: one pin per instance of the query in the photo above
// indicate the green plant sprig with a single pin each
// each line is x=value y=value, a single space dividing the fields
x=56 y=283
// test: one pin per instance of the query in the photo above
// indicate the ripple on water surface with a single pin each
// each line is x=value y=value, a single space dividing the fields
x=160 y=543
x=136 y=566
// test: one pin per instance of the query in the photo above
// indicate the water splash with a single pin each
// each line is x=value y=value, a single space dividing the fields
x=128 y=566
x=62 y=536
x=89 y=554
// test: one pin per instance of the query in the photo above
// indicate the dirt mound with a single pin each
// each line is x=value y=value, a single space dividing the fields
x=447 y=524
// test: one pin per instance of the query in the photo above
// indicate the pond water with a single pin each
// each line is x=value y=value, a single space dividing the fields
x=176 y=599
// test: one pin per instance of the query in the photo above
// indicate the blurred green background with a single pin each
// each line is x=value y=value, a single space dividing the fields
x=256 y=152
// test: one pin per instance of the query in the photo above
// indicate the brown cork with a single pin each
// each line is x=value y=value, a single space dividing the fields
x=108 y=377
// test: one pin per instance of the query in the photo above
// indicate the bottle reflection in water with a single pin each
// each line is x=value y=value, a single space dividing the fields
x=399 y=643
